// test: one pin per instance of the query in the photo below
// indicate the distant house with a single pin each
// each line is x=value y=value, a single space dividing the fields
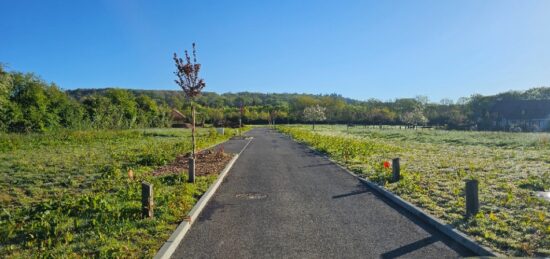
x=522 y=115
x=178 y=119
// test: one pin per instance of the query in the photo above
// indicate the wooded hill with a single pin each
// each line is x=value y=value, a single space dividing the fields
x=28 y=104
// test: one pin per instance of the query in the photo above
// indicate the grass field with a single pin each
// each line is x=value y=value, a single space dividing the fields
x=68 y=194
x=511 y=168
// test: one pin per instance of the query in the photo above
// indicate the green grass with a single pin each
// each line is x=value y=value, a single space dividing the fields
x=511 y=167
x=67 y=194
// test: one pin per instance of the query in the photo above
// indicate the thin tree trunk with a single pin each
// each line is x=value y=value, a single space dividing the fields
x=193 y=128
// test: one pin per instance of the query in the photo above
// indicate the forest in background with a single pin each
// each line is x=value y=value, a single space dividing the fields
x=29 y=104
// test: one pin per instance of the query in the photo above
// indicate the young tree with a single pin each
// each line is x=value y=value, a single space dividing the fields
x=314 y=113
x=189 y=81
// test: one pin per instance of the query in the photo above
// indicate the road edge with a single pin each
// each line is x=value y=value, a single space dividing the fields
x=170 y=246
x=454 y=234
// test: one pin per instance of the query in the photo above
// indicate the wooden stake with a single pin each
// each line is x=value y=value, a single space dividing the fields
x=147 y=200
x=396 y=169
x=472 y=198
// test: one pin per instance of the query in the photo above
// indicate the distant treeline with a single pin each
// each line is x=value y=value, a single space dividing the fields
x=28 y=104
x=474 y=112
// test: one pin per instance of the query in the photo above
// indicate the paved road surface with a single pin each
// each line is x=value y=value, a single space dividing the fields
x=281 y=200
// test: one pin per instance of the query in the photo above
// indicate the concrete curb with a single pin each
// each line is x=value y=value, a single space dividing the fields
x=446 y=229
x=173 y=242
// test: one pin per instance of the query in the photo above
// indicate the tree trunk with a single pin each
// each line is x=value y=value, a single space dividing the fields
x=193 y=128
x=313 y=126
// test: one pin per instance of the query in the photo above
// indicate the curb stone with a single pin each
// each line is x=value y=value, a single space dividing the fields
x=174 y=240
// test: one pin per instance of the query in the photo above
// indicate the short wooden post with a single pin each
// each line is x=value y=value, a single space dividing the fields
x=472 y=198
x=396 y=169
x=240 y=125
x=146 y=200
x=191 y=170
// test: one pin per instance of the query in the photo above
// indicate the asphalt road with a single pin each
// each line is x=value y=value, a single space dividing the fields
x=280 y=200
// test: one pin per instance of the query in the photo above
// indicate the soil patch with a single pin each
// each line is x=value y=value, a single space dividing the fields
x=208 y=162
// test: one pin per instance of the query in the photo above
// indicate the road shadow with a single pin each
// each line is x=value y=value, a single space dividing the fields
x=212 y=207
x=409 y=248
x=362 y=190
x=349 y=194
x=435 y=235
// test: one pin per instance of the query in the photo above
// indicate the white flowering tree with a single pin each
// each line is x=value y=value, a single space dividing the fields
x=415 y=117
x=314 y=114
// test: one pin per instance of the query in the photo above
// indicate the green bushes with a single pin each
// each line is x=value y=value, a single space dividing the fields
x=28 y=104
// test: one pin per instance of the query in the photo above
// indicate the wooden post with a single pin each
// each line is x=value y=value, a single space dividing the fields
x=472 y=198
x=240 y=126
x=396 y=169
x=147 y=200
x=191 y=170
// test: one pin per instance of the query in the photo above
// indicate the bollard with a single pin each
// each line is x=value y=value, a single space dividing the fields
x=146 y=200
x=191 y=170
x=396 y=170
x=472 y=198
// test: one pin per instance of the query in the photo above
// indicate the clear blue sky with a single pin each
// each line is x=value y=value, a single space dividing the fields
x=360 y=49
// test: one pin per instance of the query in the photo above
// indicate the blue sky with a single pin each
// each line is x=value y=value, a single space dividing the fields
x=359 y=49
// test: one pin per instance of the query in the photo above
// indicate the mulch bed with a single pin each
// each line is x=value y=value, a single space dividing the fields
x=207 y=162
